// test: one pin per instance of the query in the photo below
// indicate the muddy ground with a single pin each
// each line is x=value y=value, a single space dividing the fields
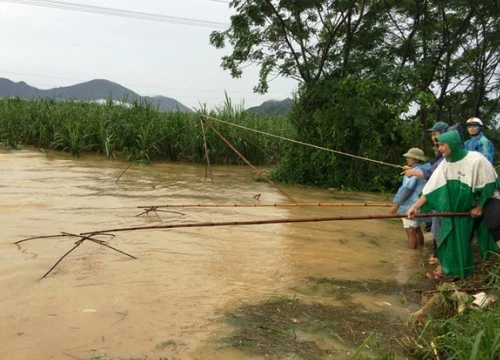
x=286 y=327
x=296 y=328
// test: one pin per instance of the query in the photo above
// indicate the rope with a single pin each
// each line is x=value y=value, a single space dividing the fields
x=248 y=162
x=303 y=143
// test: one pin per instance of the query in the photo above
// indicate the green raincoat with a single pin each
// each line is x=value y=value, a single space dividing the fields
x=465 y=179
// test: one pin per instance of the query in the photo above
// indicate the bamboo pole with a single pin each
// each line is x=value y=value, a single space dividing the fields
x=266 y=205
x=273 y=221
x=205 y=147
x=248 y=162
x=153 y=144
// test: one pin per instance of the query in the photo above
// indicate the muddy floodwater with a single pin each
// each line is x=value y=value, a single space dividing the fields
x=168 y=303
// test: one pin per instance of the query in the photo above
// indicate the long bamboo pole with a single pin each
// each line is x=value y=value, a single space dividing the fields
x=205 y=147
x=153 y=144
x=248 y=162
x=265 y=205
x=273 y=221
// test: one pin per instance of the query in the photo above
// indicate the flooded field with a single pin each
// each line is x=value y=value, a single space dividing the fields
x=173 y=301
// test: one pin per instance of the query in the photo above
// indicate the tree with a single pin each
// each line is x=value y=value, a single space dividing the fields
x=362 y=61
x=448 y=57
x=299 y=39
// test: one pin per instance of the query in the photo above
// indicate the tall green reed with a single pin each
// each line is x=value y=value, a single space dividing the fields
x=139 y=131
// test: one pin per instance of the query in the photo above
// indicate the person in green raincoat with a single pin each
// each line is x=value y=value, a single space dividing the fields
x=464 y=182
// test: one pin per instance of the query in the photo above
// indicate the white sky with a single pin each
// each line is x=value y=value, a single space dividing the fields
x=47 y=47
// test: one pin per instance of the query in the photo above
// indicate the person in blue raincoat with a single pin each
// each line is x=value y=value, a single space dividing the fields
x=408 y=193
x=478 y=142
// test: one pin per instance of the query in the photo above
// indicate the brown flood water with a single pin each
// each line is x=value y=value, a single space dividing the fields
x=165 y=304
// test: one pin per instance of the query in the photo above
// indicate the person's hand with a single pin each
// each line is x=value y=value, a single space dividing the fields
x=406 y=167
x=393 y=209
x=476 y=212
x=411 y=212
x=408 y=172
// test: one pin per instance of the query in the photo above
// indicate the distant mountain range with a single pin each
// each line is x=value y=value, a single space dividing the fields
x=273 y=107
x=92 y=90
x=100 y=89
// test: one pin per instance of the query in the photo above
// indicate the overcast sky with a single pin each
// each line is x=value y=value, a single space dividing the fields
x=50 y=47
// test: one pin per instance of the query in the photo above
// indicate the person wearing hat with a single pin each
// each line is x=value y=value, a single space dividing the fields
x=437 y=129
x=407 y=195
x=478 y=142
x=464 y=182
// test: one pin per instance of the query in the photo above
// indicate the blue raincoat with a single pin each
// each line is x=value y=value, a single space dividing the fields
x=481 y=144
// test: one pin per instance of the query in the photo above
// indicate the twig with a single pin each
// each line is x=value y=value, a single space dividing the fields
x=78 y=243
x=156 y=142
x=156 y=211
x=124 y=315
x=123 y=172
x=101 y=242
x=41 y=237
x=74 y=357
x=109 y=246
x=205 y=147
x=89 y=237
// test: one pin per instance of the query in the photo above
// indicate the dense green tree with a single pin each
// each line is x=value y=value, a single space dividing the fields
x=364 y=68
x=301 y=39
x=448 y=57
x=355 y=116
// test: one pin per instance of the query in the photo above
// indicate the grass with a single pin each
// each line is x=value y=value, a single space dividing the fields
x=470 y=333
x=284 y=328
x=139 y=132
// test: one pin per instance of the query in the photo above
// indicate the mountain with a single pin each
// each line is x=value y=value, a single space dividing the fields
x=20 y=89
x=273 y=107
x=93 y=90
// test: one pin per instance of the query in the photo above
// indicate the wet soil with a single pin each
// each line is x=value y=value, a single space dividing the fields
x=295 y=327
x=286 y=327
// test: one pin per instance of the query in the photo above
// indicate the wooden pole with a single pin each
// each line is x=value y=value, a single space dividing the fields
x=153 y=144
x=248 y=162
x=266 y=205
x=205 y=147
x=272 y=221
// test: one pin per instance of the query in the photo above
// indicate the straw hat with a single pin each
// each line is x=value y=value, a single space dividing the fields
x=415 y=153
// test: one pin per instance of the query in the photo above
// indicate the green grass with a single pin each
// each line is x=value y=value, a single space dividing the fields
x=473 y=334
x=139 y=132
